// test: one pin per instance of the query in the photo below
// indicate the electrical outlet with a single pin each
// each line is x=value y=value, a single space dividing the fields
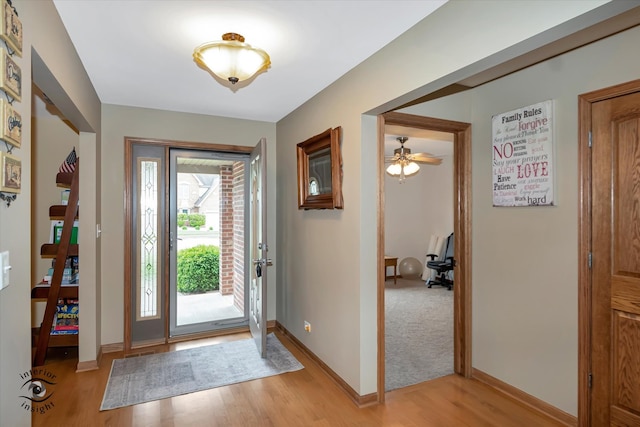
x=307 y=326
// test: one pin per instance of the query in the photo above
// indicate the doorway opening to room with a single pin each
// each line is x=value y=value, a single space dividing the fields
x=188 y=228
x=459 y=136
x=418 y=220
x=207 y=218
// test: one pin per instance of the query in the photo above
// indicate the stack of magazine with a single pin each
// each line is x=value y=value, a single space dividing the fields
x=65 y=321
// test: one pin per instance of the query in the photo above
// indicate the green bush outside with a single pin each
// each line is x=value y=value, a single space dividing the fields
x=199 y=269
x=182 y=217
x=192 y=220
x=197 y=220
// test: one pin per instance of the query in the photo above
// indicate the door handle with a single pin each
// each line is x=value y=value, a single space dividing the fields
x=259 y=263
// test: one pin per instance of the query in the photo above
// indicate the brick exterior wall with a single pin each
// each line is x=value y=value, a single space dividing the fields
x=238 y=235
x=226 y=230
x=232 y=235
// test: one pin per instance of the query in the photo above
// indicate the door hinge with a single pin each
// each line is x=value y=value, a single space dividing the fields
x=590 y=139
x=590 y=259
x=590 y=379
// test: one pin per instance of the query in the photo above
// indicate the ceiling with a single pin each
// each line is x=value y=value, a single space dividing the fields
x=139 y=52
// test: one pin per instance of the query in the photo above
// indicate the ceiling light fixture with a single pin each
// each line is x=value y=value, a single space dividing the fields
x=231 y=58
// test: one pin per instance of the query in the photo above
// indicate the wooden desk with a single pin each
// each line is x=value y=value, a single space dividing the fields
x=390 y=261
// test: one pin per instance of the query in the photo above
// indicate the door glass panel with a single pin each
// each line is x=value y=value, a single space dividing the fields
x=148 y=249
x=207 y=219
x=258 y=247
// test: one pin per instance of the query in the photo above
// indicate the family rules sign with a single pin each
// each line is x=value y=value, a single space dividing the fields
x=523 y=156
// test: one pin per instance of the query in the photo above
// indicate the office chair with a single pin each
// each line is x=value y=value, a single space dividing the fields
x=434 y=252
x=444 y=266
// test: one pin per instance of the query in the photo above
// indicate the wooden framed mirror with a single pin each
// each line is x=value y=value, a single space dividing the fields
x=320 y=171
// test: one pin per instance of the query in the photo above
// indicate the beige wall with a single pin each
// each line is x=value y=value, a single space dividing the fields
x=65 y=76
x=525 y=288
x=418 y=208
x=327 y=259
x=119 y=122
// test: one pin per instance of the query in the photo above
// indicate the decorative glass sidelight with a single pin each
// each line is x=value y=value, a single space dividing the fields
x=148 y=278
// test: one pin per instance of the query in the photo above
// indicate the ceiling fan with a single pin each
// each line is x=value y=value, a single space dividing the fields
x=404 y=164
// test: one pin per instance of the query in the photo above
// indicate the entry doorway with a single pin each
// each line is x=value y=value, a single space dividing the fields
x=186 y=260
x=462 y=234
x=207 y=217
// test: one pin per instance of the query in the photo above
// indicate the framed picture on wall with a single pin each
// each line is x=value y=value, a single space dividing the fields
x=10 y=76
x=11 y=169
x=11 y=28
x=10 y=124
x=320 y=171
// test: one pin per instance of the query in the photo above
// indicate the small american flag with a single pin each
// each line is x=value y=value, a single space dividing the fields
x=69 y=165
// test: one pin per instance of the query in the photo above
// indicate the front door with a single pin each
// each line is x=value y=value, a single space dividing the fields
x=207 y=251
x=615 y=295
x=258 y=247
x=180 y=198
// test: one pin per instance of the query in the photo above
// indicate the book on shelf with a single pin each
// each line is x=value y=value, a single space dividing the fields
x=69 y=276
x=56 y=231
x=70 y=262
x=70 y=273
x=65 y=321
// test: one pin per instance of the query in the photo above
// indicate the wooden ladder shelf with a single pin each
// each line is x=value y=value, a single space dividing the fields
x=61 y=251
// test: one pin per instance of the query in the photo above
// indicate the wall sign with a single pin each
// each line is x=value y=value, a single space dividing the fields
x=11 y=28
x=11 y=173
x=10 y=124
x=523 y=156
x=10 y=76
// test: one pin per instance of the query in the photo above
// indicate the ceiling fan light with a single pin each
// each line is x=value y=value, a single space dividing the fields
x=411 y=168
x=231 y=59
x=394 y=169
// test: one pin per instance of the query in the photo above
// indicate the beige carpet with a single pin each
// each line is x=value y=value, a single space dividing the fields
x=418 y=333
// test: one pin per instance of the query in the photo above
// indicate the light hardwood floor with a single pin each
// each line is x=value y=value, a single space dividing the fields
x=304 y=398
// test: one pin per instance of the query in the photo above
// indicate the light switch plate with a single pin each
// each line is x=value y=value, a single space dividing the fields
x=5 y=268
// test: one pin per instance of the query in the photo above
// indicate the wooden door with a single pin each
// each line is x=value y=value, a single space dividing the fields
x=615 y=295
